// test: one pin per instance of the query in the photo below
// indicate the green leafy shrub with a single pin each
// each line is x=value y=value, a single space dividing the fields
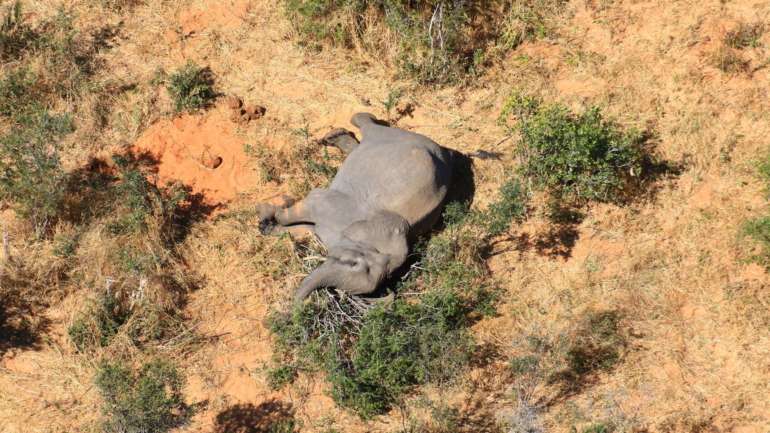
x=140 y=201
x=191 y=88
x=401 y=346
x=511 y=206
x=98 y=323
x=147 y=400
x=280 y=376
x=578 y=157
x=31 y=175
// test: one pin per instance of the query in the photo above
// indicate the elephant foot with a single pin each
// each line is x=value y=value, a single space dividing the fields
x=341 y=138
x=267 y=226
x=266 y=213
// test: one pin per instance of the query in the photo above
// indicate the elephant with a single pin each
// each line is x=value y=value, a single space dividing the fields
x=389 y=190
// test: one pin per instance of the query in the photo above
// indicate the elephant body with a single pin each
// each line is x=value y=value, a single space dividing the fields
x=389 y=190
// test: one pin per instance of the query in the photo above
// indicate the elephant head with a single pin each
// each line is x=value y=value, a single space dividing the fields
x=370 y=250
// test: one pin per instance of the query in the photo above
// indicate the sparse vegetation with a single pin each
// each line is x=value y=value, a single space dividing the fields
x=98 y=324
x=745 y=36
x=141 y=322
x=730 y=60
x=15 y=34
x=598 y=428
x=434 y=42
x=529 y=19
x=597 y=344
x=145 y=400
x=305 y=166
x=191 y=88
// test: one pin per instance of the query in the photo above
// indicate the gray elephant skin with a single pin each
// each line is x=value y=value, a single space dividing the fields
x=389 y=190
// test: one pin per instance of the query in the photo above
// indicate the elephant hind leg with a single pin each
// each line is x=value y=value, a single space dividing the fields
x=340 y=138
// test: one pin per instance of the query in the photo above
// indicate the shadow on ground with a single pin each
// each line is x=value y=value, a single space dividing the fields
x=268 y=417
x=21 y=321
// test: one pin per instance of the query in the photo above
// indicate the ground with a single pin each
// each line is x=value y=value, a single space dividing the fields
x=673 y=263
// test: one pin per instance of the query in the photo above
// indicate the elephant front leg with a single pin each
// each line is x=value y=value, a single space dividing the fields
x=274 y=219
x=268 y=213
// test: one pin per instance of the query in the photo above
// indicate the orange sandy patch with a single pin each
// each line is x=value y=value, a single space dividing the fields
x=184 y=148
x=224 y=15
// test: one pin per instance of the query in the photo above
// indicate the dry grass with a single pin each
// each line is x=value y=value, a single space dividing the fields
x=694 y=312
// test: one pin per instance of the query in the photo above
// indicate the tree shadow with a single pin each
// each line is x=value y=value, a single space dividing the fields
x=597 y=345
x=21 y=323
x=269 y=417
x=558 y=239
x=97 y=189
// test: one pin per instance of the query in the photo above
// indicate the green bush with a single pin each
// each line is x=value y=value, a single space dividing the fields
x=98 y=323
x=400 y=346
x=191 y=88
x=139 y=201
x=31 y=175
x=281 y=376
x=578 y=157
x=147 y=400
x=511 y=206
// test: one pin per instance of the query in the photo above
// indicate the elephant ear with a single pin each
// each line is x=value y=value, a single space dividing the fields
x=386 y=233
x=355 y=271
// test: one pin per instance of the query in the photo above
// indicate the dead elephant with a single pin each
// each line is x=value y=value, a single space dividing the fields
x=389 y=190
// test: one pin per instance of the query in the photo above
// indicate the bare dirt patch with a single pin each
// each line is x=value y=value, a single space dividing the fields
x=202 y=151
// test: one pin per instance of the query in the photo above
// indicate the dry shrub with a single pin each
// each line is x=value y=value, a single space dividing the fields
x=433 y=42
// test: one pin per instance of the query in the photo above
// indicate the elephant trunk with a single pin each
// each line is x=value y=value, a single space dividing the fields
x=323 y=276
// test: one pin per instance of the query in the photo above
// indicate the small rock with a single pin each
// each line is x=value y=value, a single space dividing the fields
x=255 y=111
x=212 y=162
x=234 y=102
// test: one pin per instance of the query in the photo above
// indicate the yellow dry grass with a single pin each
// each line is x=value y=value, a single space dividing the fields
x=695 y=312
